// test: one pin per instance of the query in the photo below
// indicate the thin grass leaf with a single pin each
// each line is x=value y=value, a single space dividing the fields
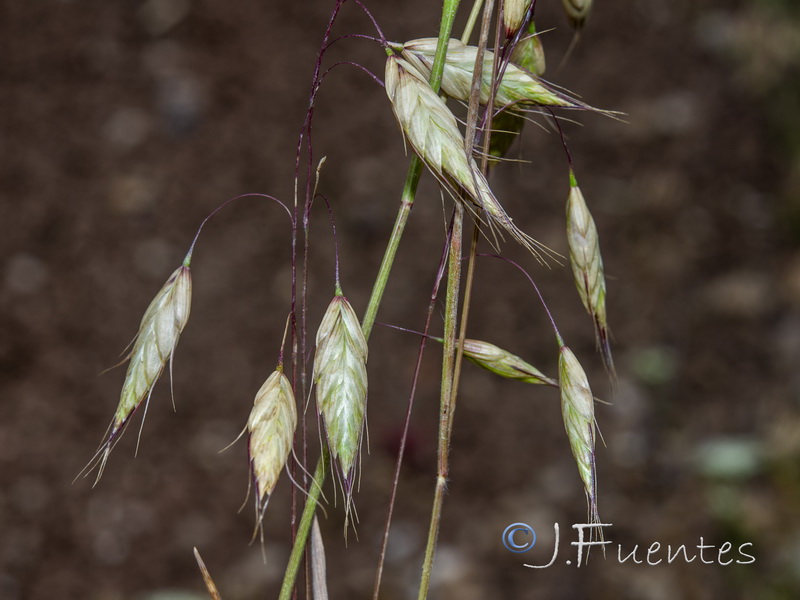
x=212 y=589
x=319 y=582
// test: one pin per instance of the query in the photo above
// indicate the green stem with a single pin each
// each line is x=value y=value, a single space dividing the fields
x=406 y=203
x=447 y=398
x=454 y=347
x=306 y=519
x=449 y=9
x=412 y=177
x=471 y=20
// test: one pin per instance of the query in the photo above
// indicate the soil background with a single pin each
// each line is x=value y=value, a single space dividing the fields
x=123 y=124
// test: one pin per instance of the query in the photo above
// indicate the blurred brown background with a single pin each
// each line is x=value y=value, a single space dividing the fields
x=125 y=123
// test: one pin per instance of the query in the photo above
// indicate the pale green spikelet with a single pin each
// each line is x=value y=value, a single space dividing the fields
x=154 y=345
x=270 y=427
x=502 y=362
x=577 y=11
x=577 y=410
x=529 y=52
x=432 y=131
x=514 y=12
x=519 y=89
x=587 y=268
x=340 y=376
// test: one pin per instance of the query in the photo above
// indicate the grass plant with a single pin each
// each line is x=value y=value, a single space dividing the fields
x=502 y=88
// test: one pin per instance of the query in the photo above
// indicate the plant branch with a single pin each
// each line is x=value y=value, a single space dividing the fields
x=449 y=9
x=453 y=351
x=446 y=404
x=407 y=200
x=401 y=452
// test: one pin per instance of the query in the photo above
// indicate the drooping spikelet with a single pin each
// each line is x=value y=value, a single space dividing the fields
x=577 y=410
x=514 y=12
x=432 y=131
x=502 y=362
x=587 y=267
x=270 y=427
x=340 y=374
x=517 y=90
x=154 y=345
x=577 y=11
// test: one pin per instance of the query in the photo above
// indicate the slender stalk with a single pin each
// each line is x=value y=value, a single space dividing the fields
x=409 y=407
x=462 y=333
x=476 y=232
x=449 y=9
x=446 y=406
x=473 y=16
x=453 y=348
x=471 y=20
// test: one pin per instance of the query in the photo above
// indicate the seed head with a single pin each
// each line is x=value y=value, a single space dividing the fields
x=577 y=11
x=270 y=427
x=514 y=12
x=340 y=374
x=529 y=52
x=503 y=363
x=432 y=131
x=517 y=90
x=577 y=409
x=154 y=345
x=587 y=267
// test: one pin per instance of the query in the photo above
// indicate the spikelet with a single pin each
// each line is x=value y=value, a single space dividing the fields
x=340 y=374
x=432 y=131
x=517 y=90
x=529 y=52
x=270 y=427
x=577 y=11
x=502 y=362
x=577 y=409
x=514 y=12
x=587 y=268
x=154 y=345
